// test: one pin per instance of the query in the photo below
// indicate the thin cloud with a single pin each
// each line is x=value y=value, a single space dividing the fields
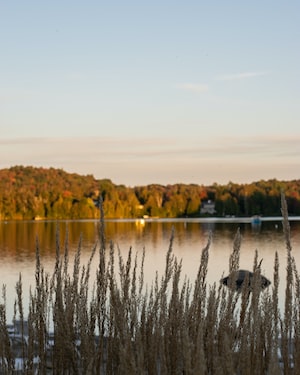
x=14 y=94
x=145 y=160
x=124 y=148
x=239 y=76
x=193 y=87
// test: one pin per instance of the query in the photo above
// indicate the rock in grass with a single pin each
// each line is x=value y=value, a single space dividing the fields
x=237 y=279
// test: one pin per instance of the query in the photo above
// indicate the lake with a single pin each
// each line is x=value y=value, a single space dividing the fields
x=18 y=244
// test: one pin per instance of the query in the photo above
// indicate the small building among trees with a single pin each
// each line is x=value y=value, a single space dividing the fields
x=208 y=208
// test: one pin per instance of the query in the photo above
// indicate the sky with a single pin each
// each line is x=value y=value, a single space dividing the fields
x=152 y=92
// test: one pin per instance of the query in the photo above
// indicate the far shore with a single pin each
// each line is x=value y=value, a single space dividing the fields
x=226 y=219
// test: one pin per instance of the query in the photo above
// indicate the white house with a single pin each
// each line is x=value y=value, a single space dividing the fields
x=208 y=207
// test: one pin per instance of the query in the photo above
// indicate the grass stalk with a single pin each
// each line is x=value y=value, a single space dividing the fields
x=112 y=323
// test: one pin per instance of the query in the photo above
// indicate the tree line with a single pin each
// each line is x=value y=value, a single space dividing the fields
x=28 y=193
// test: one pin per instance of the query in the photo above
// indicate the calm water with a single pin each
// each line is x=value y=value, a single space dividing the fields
x=18 y=243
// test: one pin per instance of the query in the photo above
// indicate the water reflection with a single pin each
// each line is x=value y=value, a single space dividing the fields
x=18 y=245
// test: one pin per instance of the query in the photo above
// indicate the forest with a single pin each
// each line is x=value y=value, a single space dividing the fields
x=31 y=193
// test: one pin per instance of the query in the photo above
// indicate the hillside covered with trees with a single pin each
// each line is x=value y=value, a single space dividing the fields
x=28 y=193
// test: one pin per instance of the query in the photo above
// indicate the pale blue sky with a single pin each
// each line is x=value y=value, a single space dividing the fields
x=152 y=92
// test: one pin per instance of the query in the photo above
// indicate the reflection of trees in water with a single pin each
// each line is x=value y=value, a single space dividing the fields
x=21 y=237
x=18 y=243
x=18 y=239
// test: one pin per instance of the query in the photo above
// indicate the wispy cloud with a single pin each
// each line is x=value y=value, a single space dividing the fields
x=239 y=76
x=16 y=93
x=142 y=160
x=203 y=87
x=87 y=148
x=194 y=87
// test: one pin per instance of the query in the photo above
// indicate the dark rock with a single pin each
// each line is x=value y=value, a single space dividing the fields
x=237 y=279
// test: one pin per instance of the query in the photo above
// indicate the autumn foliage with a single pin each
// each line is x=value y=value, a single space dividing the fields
x=28 y=193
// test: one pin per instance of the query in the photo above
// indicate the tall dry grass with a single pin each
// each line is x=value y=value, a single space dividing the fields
x=112 y=323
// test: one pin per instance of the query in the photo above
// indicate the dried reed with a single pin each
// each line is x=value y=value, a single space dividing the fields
x=114 y=324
